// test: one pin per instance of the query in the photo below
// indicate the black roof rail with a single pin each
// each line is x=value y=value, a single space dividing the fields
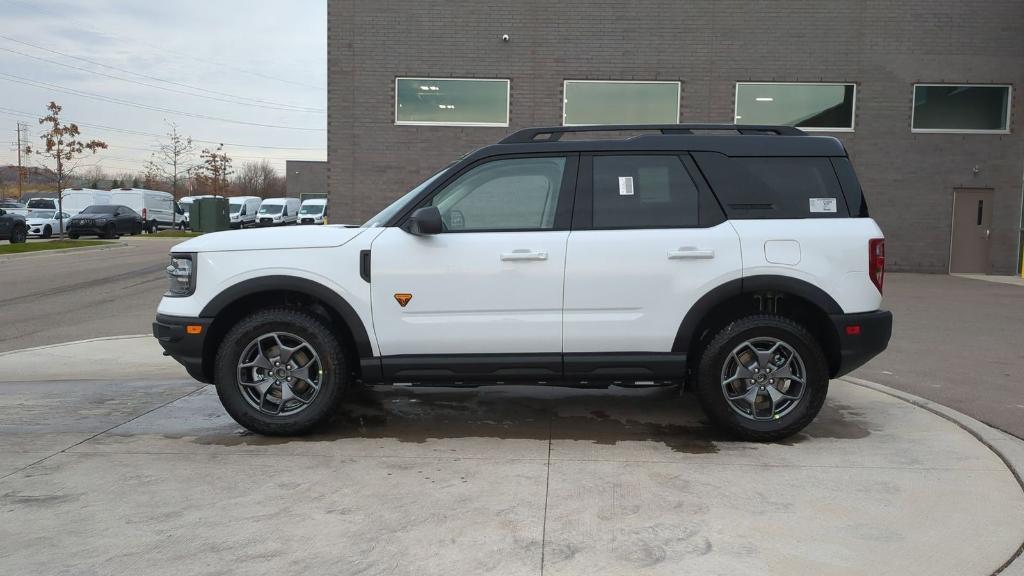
x=554 y=133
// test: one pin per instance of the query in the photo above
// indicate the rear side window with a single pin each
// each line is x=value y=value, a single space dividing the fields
x=634 y=191
x=774 y=187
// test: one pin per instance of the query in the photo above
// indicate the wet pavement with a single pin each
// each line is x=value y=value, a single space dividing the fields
x=151 y=476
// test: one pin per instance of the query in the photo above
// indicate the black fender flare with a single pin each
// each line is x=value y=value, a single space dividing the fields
x=749 y=285
x=303 y=286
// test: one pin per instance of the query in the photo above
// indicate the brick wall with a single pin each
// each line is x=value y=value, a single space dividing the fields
x=305 y=177
x=883 y=47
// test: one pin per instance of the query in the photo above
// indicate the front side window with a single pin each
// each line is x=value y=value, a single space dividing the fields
x=643 y=192
x=588 y=102
x=451 y=102
x=510 y=194
x=807 y=106
x=949 y=108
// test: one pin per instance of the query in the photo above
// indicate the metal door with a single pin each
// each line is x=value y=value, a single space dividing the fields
x=972 y=231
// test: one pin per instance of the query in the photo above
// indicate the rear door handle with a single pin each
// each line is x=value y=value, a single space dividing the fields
x=524 y=254
x=690 y=253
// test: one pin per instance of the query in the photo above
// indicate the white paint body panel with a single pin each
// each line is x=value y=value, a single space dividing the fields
x=334 y=264
x=468 y=298
x=628 y=290
x=833 y=255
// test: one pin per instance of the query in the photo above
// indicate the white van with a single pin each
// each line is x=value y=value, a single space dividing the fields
x=74 y=200
x=278 y=212
x=156 y=208
x=313 y=211
x=243 y=210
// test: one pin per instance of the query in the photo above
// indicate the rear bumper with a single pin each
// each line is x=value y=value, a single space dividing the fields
x=186 y=348
x=861 y=337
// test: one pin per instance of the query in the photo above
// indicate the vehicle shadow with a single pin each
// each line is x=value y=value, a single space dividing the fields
x=600 y=416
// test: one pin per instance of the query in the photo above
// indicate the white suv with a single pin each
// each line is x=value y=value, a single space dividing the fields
x=743 y=265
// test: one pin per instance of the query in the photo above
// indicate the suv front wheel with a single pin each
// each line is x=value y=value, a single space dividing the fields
x=762 y=378
x=280 y=371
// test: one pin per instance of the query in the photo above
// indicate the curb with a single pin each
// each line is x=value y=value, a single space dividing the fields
x=73 y=342
x=1008 y=448
x=111 y=246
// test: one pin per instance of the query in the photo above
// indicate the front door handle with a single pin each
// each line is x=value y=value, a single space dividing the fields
x=524 y=254
x=690 y=253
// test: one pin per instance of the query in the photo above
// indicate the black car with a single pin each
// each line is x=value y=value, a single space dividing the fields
x=12 y=227
x=105 y=221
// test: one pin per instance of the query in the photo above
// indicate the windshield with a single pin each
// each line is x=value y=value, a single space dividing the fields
x=45 y=214
x=98 y=210
x=271 y=208
x=386 y=214
x=41 y=203
x=312 y=208
x=236 y=208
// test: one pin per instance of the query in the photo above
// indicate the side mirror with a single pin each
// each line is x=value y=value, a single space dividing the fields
x=425 y=221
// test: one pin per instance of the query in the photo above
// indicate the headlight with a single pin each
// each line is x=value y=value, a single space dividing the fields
x=182 y=275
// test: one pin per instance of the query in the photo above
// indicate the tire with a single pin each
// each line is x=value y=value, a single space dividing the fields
x=110 y=232
x=72 y=235
x=786 y=417
x=47 y=233
x=241 y=401
x=19 y=235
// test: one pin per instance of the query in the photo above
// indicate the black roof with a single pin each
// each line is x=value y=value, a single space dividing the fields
x=728 y=139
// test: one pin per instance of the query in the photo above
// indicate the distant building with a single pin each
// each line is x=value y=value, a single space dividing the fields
x=924 y=95
x=305 y=177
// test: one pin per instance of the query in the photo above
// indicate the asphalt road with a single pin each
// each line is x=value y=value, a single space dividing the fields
x=956 y=341
x=52 y=298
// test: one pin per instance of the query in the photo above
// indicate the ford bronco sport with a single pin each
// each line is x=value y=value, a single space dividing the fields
x=739 y=261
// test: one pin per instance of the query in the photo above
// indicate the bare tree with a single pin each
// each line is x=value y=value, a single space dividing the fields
x=214 y=171
x=173 y=161
x=61 y=144
x=259 y=179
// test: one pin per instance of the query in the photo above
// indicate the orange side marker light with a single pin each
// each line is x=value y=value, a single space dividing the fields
x=194 y=329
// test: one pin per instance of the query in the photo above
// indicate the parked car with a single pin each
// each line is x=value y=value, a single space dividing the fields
x=12 y=227
x=105 y=221
x=243 y=210
x=743 y=265
x=278 y=212
x=156 y=208
x=45 y=223
x=313 y=211
x=13 y=207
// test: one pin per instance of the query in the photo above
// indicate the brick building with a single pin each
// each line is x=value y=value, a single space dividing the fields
x=922 y=93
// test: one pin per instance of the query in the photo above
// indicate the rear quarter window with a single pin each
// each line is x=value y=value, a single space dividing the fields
x=774 y=187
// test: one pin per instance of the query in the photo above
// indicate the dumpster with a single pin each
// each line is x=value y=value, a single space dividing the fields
x=209 y=215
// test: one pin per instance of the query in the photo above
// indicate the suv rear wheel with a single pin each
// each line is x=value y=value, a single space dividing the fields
x=280 y=371
x=18 y=235
x=762 y=378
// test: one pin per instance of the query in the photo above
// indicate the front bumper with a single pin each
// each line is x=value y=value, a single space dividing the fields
x=86 y=230
x=186 y=348
x=862 y=336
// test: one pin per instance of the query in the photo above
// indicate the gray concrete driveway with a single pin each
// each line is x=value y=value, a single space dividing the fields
x=148 y=475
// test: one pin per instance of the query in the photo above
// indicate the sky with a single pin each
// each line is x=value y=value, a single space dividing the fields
x=249 y=73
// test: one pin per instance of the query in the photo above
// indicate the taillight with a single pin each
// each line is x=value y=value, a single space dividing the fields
x=876 y=262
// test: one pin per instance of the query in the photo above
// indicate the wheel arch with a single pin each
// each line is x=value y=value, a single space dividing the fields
x=228 y=307
x=790 y=297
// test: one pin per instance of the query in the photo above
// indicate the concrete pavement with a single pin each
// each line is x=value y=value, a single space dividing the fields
x=129 y=475
x=51 y=298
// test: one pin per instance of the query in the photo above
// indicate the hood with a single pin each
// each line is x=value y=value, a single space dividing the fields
x=270 y=239
x=38 y=220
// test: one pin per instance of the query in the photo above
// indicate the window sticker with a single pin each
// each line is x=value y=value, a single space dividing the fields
x=626 y=186
x=821 y=205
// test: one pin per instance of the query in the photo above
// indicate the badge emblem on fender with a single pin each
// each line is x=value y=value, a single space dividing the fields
x=403 y=299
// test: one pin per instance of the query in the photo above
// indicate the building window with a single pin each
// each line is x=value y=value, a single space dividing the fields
x=827 y=107
x=451 y=101
x=961 y=108
x=589 y=102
